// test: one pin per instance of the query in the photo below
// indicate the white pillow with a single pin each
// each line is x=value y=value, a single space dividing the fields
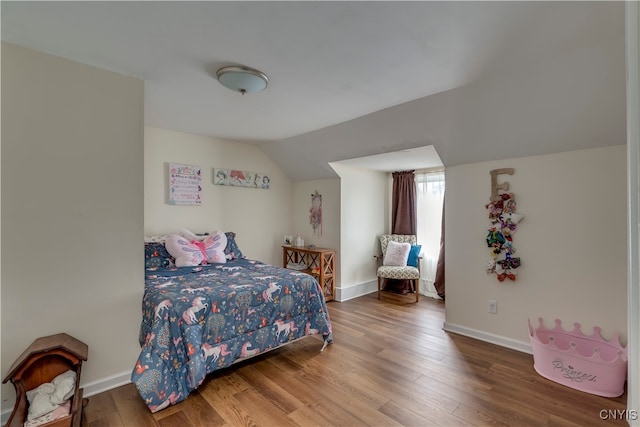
x=397 y=254
x=65 y=384
x=40 y=400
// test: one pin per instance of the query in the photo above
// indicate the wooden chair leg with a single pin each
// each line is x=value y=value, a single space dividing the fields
x=417 y=288
x=379 y=280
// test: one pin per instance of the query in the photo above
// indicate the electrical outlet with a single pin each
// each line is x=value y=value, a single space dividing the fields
x=492 y=306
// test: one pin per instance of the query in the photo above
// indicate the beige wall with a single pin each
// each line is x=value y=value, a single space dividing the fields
x=572 y=243
x=260 y=218
x=363 y=218
x=330 y=191
x=632 y=27
x=72 y=209
x=331 y=231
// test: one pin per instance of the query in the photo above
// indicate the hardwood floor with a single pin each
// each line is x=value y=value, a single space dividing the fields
x=390 y=365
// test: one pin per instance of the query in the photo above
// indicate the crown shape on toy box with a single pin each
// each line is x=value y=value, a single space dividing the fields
x=590 y=347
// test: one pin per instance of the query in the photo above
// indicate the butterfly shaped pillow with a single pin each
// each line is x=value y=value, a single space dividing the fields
x=189 y=253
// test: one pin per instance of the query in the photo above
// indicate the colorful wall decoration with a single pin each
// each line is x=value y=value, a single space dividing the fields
x=503 y=222
x=238 y=178
x=185 y=184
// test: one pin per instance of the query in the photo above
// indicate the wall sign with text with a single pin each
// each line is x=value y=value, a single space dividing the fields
x=185 y=184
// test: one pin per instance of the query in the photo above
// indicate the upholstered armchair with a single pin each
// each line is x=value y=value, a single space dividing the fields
x=395 y=262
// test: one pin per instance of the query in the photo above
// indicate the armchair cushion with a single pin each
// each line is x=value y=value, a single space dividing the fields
x=394 y=272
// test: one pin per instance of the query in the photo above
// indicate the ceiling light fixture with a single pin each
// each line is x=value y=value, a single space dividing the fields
x=242 y=79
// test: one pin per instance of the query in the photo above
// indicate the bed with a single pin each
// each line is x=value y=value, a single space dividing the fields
x=202 y=318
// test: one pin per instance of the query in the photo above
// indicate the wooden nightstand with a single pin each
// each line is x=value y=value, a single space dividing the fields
x=40 y=363
x=319 y=262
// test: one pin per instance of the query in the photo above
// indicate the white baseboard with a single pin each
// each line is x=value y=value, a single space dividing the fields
x=344 y=294
x=90 y=389
x=521 y=346
x=105 y=384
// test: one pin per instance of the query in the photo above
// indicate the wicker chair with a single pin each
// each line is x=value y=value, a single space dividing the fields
x=385 y=272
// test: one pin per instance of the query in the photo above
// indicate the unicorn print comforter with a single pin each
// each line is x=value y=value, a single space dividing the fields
x=200 y=319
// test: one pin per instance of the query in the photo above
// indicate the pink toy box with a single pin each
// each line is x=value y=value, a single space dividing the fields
x=587 y=363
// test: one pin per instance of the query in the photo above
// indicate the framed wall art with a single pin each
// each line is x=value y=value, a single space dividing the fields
x=238 y=178
x=185 y=184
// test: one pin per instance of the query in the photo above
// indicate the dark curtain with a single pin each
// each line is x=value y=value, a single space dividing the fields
x=403 y=203
x=438 y=282
x=403 y=218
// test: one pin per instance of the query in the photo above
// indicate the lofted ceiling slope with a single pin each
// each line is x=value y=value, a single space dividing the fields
x=476 y=80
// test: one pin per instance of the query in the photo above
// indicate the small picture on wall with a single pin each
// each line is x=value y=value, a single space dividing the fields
x=238 y=178
x=185 y=184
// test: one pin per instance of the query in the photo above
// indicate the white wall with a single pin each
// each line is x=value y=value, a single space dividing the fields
x=330 y=191
x=260 y=218
x=72 y=210
x=363 y=215
x=331 y=231
x=572 y=243
x=632 y=29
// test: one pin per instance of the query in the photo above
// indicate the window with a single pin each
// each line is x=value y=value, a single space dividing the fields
x=429 y=200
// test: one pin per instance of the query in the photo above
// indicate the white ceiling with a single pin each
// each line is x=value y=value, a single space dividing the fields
x=413 y=158
x=327 y=62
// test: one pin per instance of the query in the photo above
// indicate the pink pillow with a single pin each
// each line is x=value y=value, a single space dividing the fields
x=397 y=254
x=189 y=253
